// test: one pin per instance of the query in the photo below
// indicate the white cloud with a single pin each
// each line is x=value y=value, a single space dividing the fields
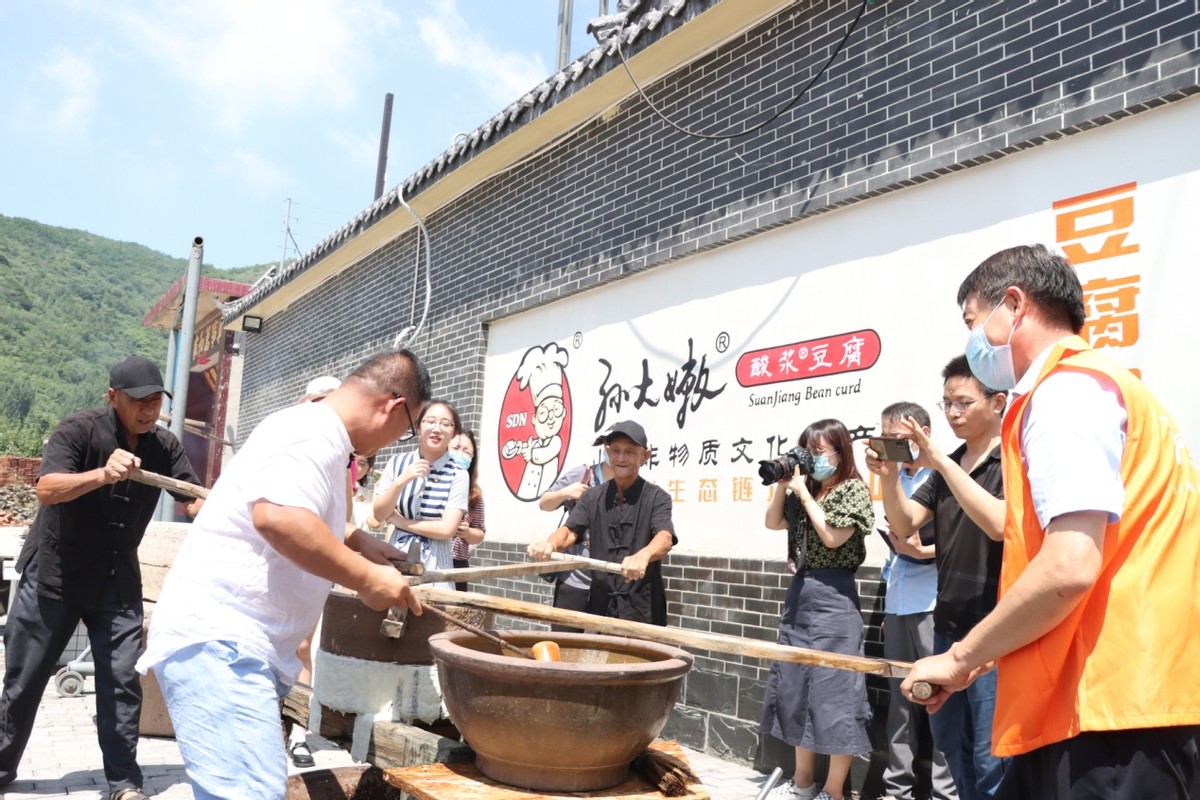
x=263 y=54
x=259 y=175
x=78 y=83
x=504 y=75
x=363 y=150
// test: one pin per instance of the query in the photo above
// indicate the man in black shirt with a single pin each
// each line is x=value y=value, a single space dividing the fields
x=628 y=521
x=80 y=562
x=964 y=500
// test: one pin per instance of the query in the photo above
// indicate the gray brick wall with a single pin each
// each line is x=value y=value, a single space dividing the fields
x=924 y=88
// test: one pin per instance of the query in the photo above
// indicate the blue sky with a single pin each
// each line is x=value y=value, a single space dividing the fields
x=154 y=121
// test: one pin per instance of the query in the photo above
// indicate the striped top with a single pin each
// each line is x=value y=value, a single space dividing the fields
x=445 y=487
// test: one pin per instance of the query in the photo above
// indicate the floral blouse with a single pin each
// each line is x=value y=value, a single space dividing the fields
x=847 y=504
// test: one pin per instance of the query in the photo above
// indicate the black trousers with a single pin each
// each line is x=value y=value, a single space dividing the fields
x=37 y=632
x=1145 y=764
x=571 y=598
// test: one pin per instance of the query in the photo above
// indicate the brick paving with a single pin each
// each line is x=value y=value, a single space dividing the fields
x=63 y=759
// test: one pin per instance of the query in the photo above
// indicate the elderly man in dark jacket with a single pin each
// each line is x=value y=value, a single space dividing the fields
x=80 y=562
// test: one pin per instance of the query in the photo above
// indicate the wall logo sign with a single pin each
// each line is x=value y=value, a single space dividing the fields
x=535 y=422
x=815 y=358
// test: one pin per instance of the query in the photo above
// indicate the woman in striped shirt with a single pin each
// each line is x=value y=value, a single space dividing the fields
x=424 y=492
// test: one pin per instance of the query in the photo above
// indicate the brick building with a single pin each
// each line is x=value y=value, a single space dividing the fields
x=578 y=216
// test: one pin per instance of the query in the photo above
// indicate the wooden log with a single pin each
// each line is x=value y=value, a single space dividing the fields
x=170 y=484
x=696 y=640
x=393 y=744
x=503 y=571
x=589 y=563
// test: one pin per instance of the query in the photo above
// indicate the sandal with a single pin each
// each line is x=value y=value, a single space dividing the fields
x=301 y=757
x=127 y=794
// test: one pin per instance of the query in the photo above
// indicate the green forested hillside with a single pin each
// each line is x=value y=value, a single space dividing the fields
x=71 y=305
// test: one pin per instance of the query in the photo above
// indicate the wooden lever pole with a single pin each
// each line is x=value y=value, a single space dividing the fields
x=170 y=484
x=465 y=574
x=589 y=563
x=696 y=640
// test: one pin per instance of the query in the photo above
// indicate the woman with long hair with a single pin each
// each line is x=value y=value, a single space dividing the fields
x=473 y=528
x=424 y=492
x=827 y=515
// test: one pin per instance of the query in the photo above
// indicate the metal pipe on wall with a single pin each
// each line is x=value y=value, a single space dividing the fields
x=384 y=135
x=564 y=31
x=187 y=335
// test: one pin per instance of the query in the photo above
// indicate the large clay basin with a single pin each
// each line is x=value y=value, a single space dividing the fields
x=569 y=726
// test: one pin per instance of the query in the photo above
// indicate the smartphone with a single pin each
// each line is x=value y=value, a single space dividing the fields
x=890 y=449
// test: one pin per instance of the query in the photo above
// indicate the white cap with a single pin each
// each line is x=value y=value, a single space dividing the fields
x=317 y=388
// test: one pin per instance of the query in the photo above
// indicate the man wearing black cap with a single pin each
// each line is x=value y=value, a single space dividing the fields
x=629 y=523
x=80 y=562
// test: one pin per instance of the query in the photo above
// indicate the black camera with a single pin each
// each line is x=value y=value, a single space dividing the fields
x=776 y=469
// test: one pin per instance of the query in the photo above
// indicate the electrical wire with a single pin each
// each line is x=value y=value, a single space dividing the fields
x=778 y=113
x=421 y=231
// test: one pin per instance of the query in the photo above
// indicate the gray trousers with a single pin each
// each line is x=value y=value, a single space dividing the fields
x=907 y=638
x=37 y=632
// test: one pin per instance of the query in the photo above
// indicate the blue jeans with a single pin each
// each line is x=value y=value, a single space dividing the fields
x=225 y=709
x=962 y=730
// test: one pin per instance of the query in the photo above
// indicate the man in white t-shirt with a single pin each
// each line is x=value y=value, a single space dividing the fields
x=253 y=574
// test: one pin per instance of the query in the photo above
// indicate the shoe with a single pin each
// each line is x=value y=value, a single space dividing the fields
x=127 y=794
x=301 y=757
x=788 y=790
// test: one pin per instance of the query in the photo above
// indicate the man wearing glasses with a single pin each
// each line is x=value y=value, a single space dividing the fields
x=252 y=576
x=964 y=500
x=79 y=562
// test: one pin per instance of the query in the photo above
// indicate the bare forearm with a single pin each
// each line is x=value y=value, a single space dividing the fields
x=903 y=515
x=471 y=535
x=444 y=528
x=830 y=536
x=551 y=501
x=63 y=487
x=301 y=537
x=658 y=547
x=983 y=508
x=775 y=519
x=1050 y=588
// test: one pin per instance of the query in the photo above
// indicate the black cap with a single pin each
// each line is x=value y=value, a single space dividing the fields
x=137 y=377
x=629 y=429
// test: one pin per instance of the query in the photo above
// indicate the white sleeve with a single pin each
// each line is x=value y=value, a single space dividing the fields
x=390 y=473
x=459 y=490
x=1071 y=442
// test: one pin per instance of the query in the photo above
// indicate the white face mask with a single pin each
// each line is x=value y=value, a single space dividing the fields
x=991 y=364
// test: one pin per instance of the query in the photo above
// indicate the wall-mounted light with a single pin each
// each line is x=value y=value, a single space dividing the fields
x=252 y=324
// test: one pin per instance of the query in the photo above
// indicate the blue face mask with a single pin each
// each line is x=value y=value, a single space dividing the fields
x=460 y=458
x=822 y=469
x=991 y=364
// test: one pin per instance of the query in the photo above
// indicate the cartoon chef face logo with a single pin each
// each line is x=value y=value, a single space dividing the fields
x=535 y=422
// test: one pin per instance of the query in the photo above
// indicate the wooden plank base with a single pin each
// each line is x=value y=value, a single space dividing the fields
x=466 y=782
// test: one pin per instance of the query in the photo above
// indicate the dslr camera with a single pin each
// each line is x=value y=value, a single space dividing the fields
x=776 y=469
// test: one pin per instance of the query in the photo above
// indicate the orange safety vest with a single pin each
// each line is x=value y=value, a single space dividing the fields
x=1128 y=656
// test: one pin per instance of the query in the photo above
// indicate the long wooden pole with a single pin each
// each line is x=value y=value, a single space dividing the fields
x=465 y=574
x=697 y=640
x=170 y=484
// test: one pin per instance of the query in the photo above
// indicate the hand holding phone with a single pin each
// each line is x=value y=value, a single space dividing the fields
x=891 y=449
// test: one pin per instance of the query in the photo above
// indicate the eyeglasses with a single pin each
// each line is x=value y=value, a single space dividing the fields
x=550 y=410
x=444 y=424
x=412 y=426
x=957 y=405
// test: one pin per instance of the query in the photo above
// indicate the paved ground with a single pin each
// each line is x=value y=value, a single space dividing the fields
x=63 y=759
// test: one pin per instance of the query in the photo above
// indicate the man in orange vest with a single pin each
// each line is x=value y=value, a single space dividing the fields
x=1096 y=636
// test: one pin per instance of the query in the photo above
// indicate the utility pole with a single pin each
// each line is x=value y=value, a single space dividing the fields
x=287 y=232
